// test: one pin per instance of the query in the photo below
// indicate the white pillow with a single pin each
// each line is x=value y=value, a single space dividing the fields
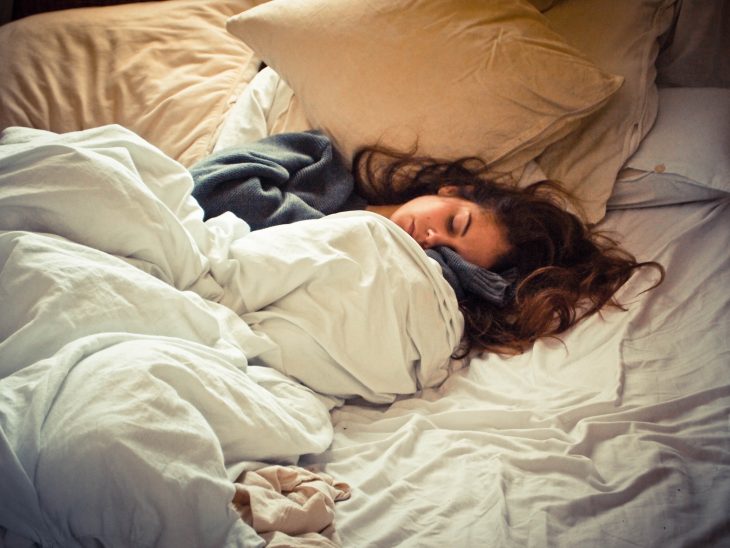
x=620 y=36
x=686 y=155
x=636 y=189
x=691 y=137
x=267 y=106
x=460 y=77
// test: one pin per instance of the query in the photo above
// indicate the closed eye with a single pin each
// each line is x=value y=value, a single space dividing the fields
x=467 y=224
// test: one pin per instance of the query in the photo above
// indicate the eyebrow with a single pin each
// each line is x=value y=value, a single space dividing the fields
x=467 y=225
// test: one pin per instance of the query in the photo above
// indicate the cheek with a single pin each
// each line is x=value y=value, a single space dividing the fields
x=425 y=210
x=397 y=216
x=406 y=210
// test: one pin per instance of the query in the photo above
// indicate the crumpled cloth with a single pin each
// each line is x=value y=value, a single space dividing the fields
x=290 y=505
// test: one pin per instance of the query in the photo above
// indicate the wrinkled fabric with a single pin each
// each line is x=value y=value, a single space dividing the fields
x=131 y=378
x=290 y=502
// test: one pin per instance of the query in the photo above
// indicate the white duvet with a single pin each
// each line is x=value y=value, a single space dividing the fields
x=133 y=338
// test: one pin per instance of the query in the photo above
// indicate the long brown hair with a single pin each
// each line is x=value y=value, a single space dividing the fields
x=566 y=269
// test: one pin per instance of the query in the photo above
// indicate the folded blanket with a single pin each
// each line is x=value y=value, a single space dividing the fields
x=277 y=180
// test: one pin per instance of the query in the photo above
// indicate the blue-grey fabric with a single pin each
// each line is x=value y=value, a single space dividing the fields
x=297 y=176
x=277 y=180
x=469 y=279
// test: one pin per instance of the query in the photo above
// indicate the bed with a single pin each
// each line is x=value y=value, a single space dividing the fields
x=163 y=381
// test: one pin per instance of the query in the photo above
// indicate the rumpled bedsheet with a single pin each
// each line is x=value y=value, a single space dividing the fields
x=133 y=340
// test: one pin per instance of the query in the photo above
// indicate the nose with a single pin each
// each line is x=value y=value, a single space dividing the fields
x=433 y=238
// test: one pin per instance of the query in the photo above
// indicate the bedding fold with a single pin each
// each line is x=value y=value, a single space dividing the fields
x=134 y=337
x=278 y=180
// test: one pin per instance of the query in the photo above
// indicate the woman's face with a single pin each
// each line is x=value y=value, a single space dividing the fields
x=460 y=224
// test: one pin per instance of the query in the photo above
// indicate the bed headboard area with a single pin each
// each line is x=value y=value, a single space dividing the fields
x=172 y=376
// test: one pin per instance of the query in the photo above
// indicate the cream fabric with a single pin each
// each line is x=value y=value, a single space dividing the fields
x=290 y=505
x=543 y=5
x=167 y=70
x=460 y=77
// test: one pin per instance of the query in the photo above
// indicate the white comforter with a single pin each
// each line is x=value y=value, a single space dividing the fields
x=131 y=391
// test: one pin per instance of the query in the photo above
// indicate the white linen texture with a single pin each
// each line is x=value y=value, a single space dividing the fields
x=134 y=336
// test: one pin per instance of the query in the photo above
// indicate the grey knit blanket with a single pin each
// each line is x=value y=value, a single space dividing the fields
x=277 y=180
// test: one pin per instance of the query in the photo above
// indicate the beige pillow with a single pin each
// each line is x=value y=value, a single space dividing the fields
x=460 y=77
x=620 y=36
x=169 y=71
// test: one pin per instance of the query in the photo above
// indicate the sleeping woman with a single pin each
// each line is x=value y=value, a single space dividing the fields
x=522 y=266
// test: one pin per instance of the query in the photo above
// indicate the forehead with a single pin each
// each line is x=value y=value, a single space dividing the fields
x=448 y=203
x=451 y=204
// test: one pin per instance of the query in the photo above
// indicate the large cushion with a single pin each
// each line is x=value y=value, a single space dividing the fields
x=167 y=70
x=620 y=36
x=455 y=78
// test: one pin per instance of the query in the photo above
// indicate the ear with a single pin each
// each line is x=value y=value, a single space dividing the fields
x=448 y=190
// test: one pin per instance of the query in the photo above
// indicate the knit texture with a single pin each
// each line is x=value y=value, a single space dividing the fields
x=278 y=180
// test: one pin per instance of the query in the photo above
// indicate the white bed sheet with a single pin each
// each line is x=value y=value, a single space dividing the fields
x=618 y=437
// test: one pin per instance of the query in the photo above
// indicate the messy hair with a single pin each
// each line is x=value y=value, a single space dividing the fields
x=565 y=268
